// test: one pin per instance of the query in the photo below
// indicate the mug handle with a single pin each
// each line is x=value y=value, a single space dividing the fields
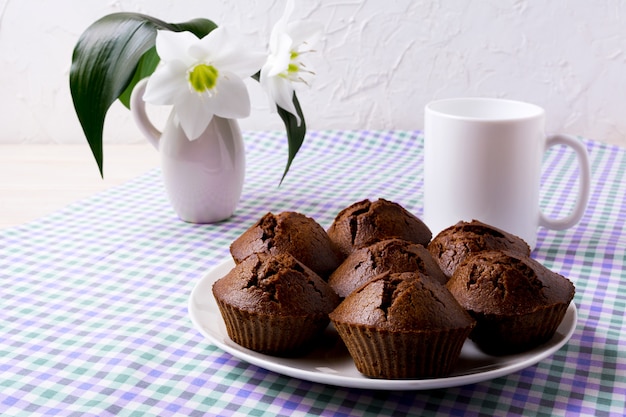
x=584 y=185
x=138 y=110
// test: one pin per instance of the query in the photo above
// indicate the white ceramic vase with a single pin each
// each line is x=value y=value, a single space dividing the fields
x=203 y=178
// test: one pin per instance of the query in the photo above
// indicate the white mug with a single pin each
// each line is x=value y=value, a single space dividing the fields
x=482 y=161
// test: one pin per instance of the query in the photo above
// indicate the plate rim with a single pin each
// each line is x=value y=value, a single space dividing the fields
x=268 y=362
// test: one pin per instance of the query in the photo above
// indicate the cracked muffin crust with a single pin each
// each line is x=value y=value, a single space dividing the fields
x=273 y=303
x=293 y=233
x=366 y=222
x=402 y=325
x=517 y=302
x=452 y=245
x=391 y=255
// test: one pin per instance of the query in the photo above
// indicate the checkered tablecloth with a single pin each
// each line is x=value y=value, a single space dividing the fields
x=93 y=312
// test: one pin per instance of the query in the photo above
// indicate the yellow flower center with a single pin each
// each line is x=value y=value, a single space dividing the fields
x=293 y=68
x=203 y=77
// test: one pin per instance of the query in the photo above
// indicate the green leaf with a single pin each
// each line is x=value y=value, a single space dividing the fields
x=199 y=27
x=112 y=55
x=295 y=133
x=146 y=66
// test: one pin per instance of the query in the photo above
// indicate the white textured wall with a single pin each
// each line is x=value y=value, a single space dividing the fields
x=379 y=62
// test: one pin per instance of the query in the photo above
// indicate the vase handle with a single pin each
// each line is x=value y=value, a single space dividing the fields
x=138 y=110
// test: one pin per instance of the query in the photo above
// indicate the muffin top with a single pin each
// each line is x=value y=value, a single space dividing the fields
x=507 y=283
x=391 y=255
x=399 y=302
x=452 y=245
x=275 y=284
x=293 y=233
x=365 y=222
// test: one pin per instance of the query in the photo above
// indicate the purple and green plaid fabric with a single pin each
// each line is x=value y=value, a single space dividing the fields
x=93 y=313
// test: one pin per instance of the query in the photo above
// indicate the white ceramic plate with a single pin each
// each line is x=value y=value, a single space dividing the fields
x=330 y=363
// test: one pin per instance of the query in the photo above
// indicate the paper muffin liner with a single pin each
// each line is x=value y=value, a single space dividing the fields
x=270 y=334
x=502 y=335
x=380 y=353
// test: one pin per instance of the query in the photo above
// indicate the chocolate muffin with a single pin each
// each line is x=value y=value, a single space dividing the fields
x=391 y=255
x=293 y=233
x=274 y=304
x=402 y=325
x=517 y=302
x=452 y=245
x=365 y=222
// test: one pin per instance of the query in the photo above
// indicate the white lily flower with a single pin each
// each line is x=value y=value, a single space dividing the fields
x=201 y=78
x=284 y=67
